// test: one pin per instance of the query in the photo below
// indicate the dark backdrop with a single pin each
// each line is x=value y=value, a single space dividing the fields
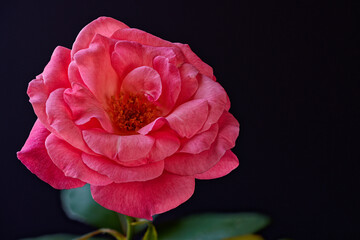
x=288 y=69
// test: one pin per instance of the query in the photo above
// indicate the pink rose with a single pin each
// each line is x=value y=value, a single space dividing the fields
x=136 y=117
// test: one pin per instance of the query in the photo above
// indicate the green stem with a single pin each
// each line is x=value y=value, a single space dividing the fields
x=129 y=230
x=112 y=232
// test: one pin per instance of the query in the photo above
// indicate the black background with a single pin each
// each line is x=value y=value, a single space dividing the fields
x=289 y=69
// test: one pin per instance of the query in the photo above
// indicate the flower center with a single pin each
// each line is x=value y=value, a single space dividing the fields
x=129 y=112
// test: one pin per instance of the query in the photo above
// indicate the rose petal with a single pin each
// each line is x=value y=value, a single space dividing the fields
x=35 y=157
x=68 y=160
x=55 y=73
x=166 y=144
x=189 y=82
x=216 y=96
x=129 y=55
x=60 y=119
x=74 y=74
x=38 y=94
x=200 y=142
x=94 y=64
x=85 y=106
x=137 y=35
x=171 y=83
x=122 y=174
x=153 y=126
x=188 y=118
x=190 y=164
x=144 y=38
x=119 y=148
x=193 y=59
x=144 y=199
x=144 y=80
x=226 y=164
x=103 y=25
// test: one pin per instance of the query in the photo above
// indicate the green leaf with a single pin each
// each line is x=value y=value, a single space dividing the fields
x=79 y=205
x=59 y=236
x=150 y=233
x=213 y=226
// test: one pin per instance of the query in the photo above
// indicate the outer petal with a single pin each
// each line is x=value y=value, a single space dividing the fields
x=144 y=199
x=144 y=38
x=226 y=164
x=119 y=148
x=196 y=61
x=74 y=74
x=136 y=35
x=35 y=157
x=189 y=82
x=103 y=25
x=200 y=142
x=188 y=118
x=122 y=174
x=38 y=94
x=68 y=159
x=95 y=68
x=166 y=144
x=144 y=80
x=60 y=119
x=54 y=77
x=55 y=73
x=216 y=96
x=191 y=164
x=85 y=106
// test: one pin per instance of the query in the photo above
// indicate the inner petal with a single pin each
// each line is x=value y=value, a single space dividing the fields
x=129 y=112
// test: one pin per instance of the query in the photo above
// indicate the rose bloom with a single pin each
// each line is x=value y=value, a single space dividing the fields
x=136 y=117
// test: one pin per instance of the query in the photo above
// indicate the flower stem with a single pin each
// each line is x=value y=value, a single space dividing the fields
x=114 y=233
x=129 y=230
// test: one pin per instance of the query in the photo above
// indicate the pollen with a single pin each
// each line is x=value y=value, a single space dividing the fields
x=130 y=112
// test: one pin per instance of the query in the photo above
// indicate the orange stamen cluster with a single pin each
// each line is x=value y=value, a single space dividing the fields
x=129 y=112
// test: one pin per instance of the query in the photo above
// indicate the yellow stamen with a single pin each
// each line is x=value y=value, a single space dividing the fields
x=130 y=112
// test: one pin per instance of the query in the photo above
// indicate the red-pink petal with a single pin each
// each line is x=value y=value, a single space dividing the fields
x=68 y=160
x=35 y=157
x=166 y=144
x=74 y=74
x=143 y=80
x=189 y=82
x=129 y=55
x=103 y=25
x=119 y=148
x=188 y=118
x=38 y=94
x=122 y=174
x=94 y=64
x=201 y=141
x=216 y=96
x=144 y=199
x=60 y=119
x=229 y=129
x=190 y=164
x=226 y=164
x=196 y=61
x=55 y=73
x=153 y=126
x=85 y=106
x=171 y=83
x=136 y=35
